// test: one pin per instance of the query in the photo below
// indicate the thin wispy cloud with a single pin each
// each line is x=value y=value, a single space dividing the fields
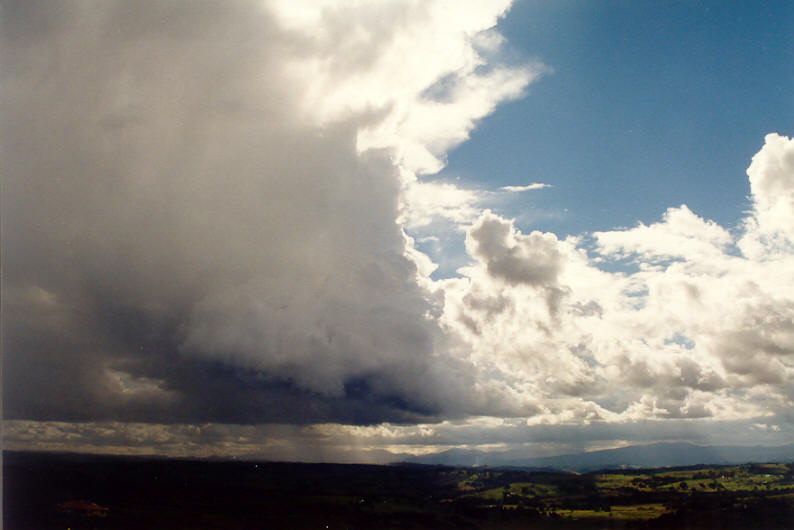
x=528 y=187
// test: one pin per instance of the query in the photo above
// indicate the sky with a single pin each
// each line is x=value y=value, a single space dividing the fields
x=356 y=231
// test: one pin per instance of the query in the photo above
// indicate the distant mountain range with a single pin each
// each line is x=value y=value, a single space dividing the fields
x=635 y=456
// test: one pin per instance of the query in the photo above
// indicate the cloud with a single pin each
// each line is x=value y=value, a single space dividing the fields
x=692 y=328
x=515 y=258
x=430 y=204
x=431 y=71
x=384 y=443
x=528 y=187
x=770 y=227
x=200 y=203
x=680 y=234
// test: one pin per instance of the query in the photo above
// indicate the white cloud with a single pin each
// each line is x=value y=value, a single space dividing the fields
x=426 y=203
x=696 y=331
x=422 y=67
x=528 y=187
x=770 y=227
x=680 y=234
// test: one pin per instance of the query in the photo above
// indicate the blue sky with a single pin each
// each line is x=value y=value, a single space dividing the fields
x=648 y=105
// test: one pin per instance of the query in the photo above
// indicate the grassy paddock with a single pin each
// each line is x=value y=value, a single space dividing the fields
x=637 y=512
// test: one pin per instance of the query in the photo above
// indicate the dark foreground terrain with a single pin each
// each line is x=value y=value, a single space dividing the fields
x=44 y=491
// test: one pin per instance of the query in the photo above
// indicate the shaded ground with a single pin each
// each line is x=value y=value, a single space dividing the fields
x=41 y=491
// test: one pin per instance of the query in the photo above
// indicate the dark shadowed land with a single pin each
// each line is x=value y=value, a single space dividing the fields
x=48 y=491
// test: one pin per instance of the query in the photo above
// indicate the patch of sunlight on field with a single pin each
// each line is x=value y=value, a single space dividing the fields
x=779 y=468
x=727 y=483
x=617 y=481
x=636 y=512
x=522 y=489
x=493 y=494
x=533 y=489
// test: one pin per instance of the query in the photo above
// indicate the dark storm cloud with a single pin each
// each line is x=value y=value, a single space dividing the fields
x=182 y=243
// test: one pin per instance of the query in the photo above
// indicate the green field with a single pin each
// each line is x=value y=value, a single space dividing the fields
x=628 y=496
x=635 y=512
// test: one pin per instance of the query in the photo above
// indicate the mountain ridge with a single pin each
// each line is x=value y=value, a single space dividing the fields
x=662 y=454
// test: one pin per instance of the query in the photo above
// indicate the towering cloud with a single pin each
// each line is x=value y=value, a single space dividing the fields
x=770 y=228
x=200 y=204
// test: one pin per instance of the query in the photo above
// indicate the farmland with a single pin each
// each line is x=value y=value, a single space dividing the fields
x=162 y=493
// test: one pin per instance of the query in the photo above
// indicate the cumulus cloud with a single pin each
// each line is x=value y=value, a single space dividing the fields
x=680 y=234
x=770 y=227
x=694 y=328
x=512 y=257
